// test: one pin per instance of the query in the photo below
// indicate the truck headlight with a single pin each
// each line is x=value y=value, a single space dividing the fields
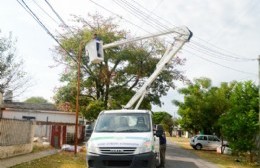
x=146 y=147
x=92 y=148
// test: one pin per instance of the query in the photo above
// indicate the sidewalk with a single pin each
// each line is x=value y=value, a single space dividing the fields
x=9 y=162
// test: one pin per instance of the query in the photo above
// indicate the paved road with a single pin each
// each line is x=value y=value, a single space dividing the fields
x=177 y=157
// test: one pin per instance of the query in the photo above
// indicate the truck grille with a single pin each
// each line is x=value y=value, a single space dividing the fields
x=117 y=163
x=117 y=150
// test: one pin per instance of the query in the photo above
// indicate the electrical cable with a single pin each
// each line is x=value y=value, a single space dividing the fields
x=232 y=54
x=218 y=52
x=159 y=17
x=27 y=8
x=208 y=51
x=119 y=16
x=136 y=13
x=147 y=14
x=59 y=17
x=219 y=64
x=45 y=12
x=41 y=24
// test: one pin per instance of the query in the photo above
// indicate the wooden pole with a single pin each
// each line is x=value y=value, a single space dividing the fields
x=77 y=100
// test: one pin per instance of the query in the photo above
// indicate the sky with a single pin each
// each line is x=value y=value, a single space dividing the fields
x=225 y=45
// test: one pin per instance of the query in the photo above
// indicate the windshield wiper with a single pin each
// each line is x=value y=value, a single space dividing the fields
x=105 y=131
x=130 y=130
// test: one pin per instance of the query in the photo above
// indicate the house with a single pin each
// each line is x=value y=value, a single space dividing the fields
x=57 y=127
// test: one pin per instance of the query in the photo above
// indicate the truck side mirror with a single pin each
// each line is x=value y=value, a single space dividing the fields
x=158 y=133
x=94 y=50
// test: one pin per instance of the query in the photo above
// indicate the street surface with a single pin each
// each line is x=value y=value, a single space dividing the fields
x=176 y=157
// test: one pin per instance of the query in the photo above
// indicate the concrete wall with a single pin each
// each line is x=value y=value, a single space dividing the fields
x=10 y=151
x=16 y=137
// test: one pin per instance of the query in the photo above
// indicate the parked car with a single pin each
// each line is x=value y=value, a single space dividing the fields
x=210 y=142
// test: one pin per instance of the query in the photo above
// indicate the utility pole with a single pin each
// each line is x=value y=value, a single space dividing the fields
x=77 y=100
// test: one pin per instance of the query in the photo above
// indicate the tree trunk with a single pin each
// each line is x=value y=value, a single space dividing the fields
x=106 y=95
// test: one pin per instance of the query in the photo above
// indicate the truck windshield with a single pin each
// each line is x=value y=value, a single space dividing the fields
x=123 y=122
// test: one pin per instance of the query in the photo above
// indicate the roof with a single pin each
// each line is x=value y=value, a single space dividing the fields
x=22 y=105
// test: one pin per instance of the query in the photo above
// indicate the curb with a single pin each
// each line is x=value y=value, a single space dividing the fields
x=9 y=162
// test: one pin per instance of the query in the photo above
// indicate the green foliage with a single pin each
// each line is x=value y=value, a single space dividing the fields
x=12 y=76
x=159 y=116
x=163 y=118
x=203 y=105
x=239 y=124
x=123 y=71
x=93 y=110
x=36 y=100
x=230 y=111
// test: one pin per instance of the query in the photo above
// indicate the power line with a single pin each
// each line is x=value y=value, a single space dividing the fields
x=27 y=8
x=205 y=47
x=45 y=12
x=152 y=12
x=216 y=52
x=120 y=16
x=219 y=63
x=159 y=17
x=137 y=13
x=209 y=50
x=230 y=53
x=195 y=48
x=59 y=17
x=142 y=16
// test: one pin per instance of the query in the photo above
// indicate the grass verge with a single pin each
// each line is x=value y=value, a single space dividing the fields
x=59 y=160
x=223 y=161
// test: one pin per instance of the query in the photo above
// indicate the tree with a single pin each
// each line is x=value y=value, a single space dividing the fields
x=123 y=71
x=36 y=100
x=203 y=105
x=12 y=76
x=159 y=116
x=239 y=124
x=163 y=118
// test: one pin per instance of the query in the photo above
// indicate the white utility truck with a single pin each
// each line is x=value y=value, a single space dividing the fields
x=125 y=138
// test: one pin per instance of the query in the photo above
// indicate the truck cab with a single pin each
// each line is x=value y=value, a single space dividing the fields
x=123 y=138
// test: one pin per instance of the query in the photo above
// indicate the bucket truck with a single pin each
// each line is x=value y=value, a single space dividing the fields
x=125 y=138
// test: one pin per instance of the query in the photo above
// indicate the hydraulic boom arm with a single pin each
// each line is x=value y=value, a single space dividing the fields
x=167 y=57
x=183 y=35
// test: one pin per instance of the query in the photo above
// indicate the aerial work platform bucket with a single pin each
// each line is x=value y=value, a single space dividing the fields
x=94 y=50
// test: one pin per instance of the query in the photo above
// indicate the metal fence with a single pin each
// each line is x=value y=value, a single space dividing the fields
x=15 y=132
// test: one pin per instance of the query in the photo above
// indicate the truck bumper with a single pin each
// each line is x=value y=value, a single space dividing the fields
x=146 y=160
